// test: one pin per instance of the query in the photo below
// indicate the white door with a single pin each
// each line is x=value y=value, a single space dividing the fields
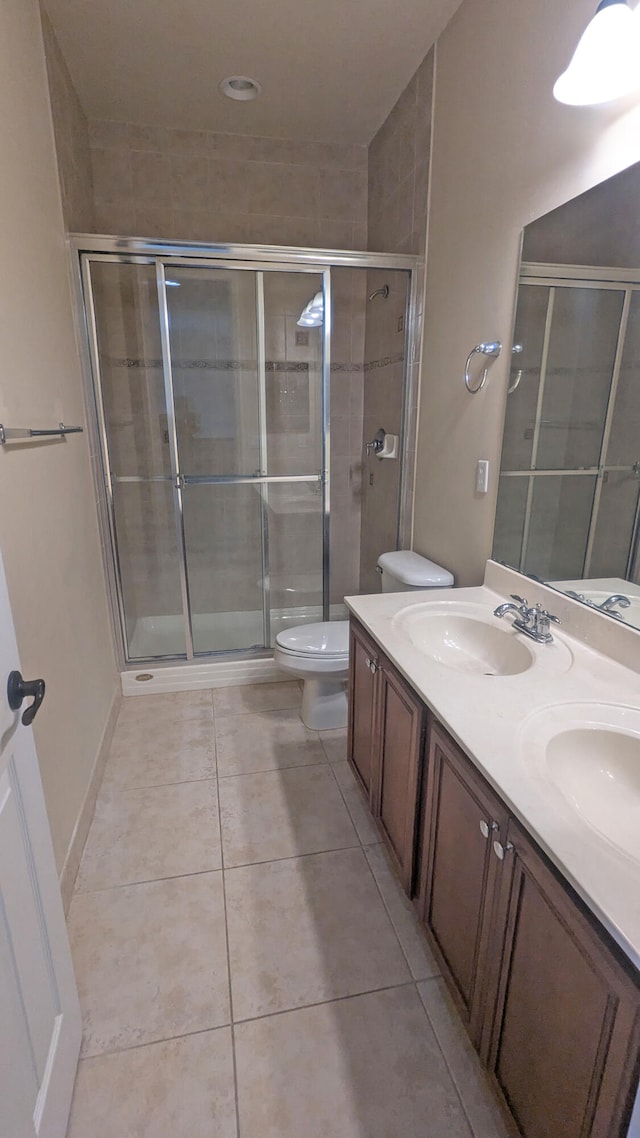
x=40 y=1025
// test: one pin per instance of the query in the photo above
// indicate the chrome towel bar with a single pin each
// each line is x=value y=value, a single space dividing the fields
x=8 y=434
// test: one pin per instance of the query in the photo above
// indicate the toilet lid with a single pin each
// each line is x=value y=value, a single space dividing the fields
x=329 y=638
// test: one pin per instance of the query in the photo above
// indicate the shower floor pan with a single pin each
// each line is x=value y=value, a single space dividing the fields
x=157 y=636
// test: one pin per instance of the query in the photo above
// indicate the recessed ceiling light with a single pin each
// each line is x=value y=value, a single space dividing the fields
x=240 y=87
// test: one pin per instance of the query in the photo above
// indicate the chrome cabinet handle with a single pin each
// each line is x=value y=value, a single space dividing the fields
x=500 y=850
x=372 y=665
x=487 y=827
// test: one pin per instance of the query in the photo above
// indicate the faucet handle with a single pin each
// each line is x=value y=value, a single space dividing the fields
x=515 y=597
x=551 y=617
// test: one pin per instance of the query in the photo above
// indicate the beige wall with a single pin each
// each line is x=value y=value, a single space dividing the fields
x=48 y=528
x=398 y=169
x=504 y=153
x=201 y=186
x=72 y=138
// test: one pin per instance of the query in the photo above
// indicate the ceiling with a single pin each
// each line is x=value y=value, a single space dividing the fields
x=330 y=70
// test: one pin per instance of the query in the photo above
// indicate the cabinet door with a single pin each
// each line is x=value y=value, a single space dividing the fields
x=565 y=1040
x=400 y=725
x=462 y=819
x=363 y=744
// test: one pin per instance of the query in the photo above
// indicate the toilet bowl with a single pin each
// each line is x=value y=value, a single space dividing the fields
x=319 y=653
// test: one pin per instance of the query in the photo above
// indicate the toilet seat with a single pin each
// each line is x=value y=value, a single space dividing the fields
x=319 y=655
x=324 y=641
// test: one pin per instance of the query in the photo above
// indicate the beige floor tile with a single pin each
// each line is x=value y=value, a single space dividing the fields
x=403 y=916
x=278 y=814
x=307 y=930
x=366 y=1067
x=265 y=741
x=466 y=1070
x=150 y=961
x=160 y=752
x=161 y=831
x=172 y=706
x=335 y=744
x=183 y=1088
x=357 y=804
x=256 y=697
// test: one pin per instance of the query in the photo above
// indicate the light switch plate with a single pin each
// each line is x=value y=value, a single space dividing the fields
x=482 y=476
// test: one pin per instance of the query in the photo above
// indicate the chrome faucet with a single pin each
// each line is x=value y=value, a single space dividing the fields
x=607 y=606
x=534 y=621
x=610 y=603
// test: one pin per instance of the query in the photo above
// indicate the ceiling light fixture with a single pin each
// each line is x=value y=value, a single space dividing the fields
x=312 y=315
x=240 y=87
x=605 y=64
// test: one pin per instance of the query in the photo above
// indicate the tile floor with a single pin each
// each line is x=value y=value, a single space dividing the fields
x=248 y=965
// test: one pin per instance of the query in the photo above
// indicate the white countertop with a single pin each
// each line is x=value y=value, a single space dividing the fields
x=488 y=716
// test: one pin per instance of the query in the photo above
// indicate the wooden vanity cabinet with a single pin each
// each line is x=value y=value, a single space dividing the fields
x=385 y=744
x=562 y=1032
x=462 y=818
x=551 y=1004
x=401 y=718
x=362 y=734
x=552 y=1011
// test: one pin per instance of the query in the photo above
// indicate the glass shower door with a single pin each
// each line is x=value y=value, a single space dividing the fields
x=247 y=433
x=133 y=419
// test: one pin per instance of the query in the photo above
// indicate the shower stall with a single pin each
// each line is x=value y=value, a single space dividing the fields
x=228 y=432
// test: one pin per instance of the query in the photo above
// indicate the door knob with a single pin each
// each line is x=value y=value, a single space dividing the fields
x=500 y=850
x=19 y=689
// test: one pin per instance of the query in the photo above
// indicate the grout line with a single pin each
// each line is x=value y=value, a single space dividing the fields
x=445 y=1059
x=157 y=785
x=331 y=1000
x=289 y=857
x=256 y=711
x=346 y=804
x=147 y=881
x=272 y=770
x=389 y=917
x=154 y=1042
x=228 y=950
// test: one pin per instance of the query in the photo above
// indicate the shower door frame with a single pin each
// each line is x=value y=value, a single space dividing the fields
x=88 y=248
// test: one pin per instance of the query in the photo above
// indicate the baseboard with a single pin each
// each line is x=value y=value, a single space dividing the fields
x=72 y=861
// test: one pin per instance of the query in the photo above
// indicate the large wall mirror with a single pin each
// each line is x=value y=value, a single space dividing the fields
x=569 y=499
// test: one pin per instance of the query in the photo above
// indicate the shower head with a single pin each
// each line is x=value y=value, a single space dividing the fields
x=383 y=291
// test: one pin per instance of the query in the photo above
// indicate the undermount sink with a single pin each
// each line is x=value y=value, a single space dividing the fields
x=591 y=754
x=465 y=642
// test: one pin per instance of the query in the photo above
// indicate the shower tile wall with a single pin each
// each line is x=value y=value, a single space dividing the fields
x=71 y=137
x=382 y=407
x=399 y=169
x=203 y=186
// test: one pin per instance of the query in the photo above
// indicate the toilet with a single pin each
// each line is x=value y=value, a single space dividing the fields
x=319 y=653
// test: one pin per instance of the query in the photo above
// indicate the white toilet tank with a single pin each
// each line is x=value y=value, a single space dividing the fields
x=403 y=571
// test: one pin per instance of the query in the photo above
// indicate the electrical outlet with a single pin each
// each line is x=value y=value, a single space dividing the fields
x=302 y=338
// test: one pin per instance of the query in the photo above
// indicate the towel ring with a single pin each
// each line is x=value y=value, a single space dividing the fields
x=493 y=350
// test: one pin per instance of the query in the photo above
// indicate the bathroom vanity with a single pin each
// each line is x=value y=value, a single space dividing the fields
x=475 y=747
